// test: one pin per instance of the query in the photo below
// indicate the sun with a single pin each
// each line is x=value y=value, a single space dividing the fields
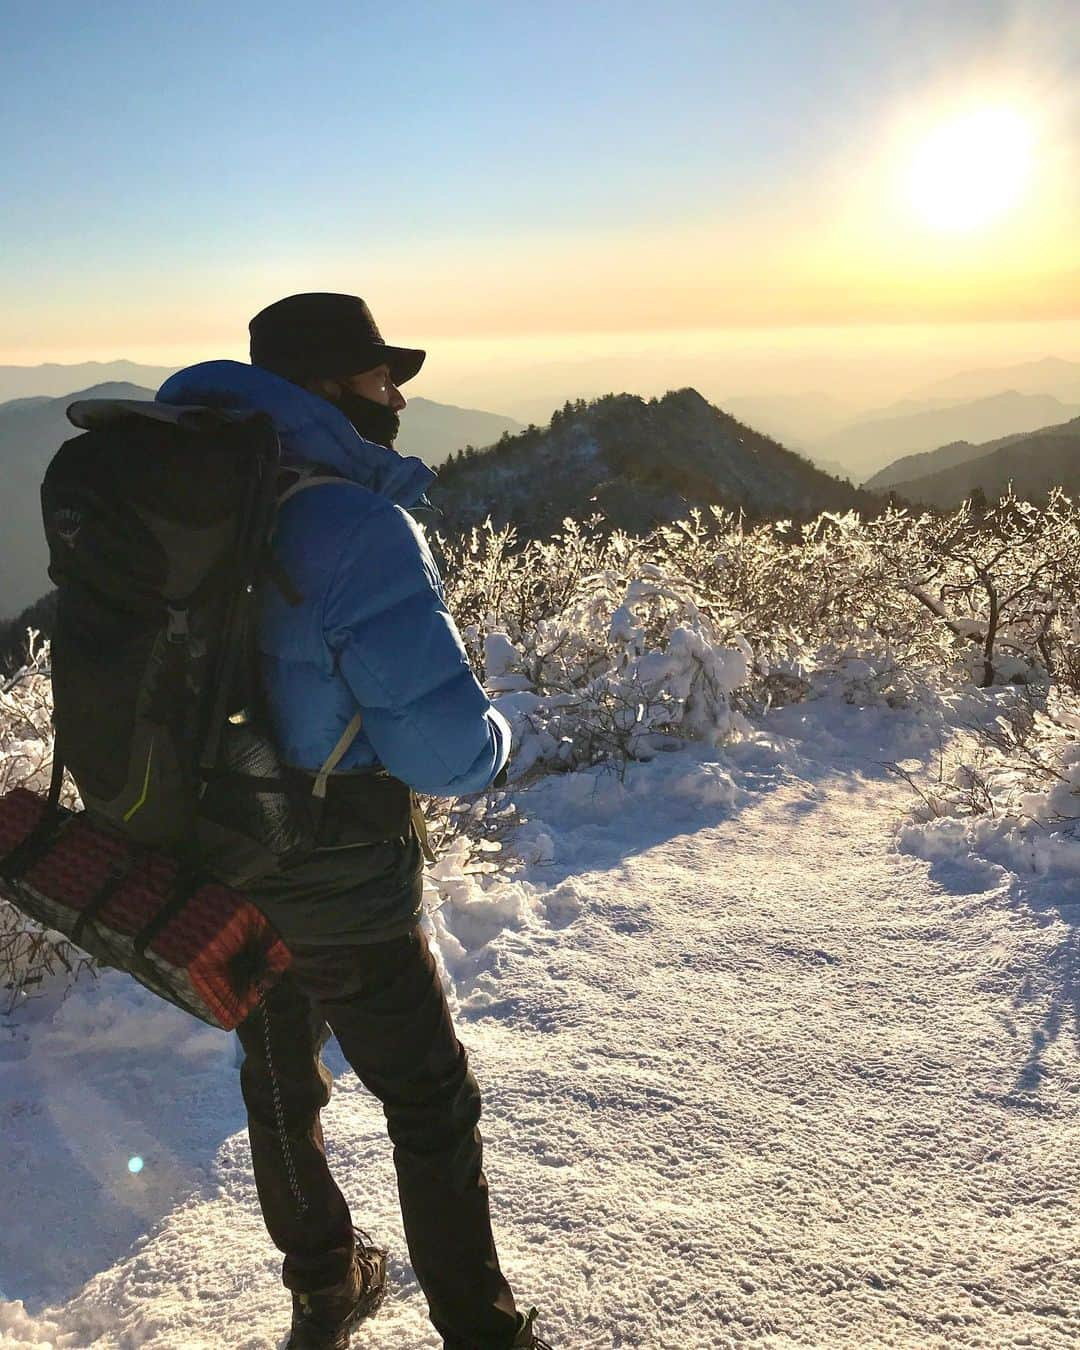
x=971 y=170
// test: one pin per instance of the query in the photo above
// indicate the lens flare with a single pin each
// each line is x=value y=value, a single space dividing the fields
x=135 y=1165
x=971 y=170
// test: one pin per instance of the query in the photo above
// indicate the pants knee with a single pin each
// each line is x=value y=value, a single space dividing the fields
x=440 y=1121
x=303 y=1095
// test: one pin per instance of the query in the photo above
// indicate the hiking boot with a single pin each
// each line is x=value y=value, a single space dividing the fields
x=527 y=1339
x=324 y=1319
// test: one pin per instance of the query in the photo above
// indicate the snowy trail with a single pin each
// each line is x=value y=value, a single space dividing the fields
x=751 y=1076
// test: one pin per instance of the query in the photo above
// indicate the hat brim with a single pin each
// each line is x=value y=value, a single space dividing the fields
x=404 y=362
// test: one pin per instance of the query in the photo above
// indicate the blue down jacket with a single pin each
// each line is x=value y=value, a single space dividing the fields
x=372 y=633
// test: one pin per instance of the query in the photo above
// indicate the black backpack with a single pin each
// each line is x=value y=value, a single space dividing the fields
x=159 y=522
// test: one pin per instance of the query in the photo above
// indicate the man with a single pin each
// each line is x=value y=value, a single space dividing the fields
x=370 y=696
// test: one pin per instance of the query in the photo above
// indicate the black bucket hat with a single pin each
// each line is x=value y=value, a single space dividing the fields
x=322 y=333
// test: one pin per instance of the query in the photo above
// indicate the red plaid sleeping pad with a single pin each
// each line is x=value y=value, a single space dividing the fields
x=208 y=959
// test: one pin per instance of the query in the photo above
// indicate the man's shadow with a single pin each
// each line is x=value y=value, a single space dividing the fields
x=1051 y=902
x=1053 y=979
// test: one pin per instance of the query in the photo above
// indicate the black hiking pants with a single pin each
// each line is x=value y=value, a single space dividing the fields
x=385 y=1004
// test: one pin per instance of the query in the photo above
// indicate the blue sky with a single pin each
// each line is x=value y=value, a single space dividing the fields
x=191 y=160
x=231 y=118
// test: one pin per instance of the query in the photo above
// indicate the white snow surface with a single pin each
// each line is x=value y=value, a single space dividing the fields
x=760 y=1066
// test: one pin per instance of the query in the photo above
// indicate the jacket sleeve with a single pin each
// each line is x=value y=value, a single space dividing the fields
x=424 y=712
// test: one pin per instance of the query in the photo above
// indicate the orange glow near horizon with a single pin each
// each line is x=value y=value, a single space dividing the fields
x=953 y=212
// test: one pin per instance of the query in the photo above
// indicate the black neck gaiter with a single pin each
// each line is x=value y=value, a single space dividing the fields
x=374 y=421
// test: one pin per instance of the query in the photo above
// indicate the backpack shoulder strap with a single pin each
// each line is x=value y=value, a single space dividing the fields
x=309 y=480
x=301 y=474
x=294 y=478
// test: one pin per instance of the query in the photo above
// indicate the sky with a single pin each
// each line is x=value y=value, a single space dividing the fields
x=525 y=187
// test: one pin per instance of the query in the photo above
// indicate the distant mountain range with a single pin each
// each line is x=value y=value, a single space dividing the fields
x=1032 y=463
x=871 y=444
x=32 y=429
x=54 y=381
x=845 y=437
x=637 y=462
x=1053 y=376
x=435 y=430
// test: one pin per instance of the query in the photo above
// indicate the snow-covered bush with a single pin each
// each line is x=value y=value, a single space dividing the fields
x=26 y=722
x=596 y=654
x=887 y=606
x=997 y=580
x=29 y=954
x=601 y=646
x=1009 y=787
x=1063 y=643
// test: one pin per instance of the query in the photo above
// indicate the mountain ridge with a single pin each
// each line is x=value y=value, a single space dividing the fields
x=637 y=462
x=910 y=467
x=1032 y=464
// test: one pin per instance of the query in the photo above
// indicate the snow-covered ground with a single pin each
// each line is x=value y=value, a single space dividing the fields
x=761 y=1065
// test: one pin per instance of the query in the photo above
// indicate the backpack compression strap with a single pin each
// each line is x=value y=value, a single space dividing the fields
x=333 y=759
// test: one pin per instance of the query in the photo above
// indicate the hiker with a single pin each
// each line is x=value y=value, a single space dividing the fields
x=364 y=674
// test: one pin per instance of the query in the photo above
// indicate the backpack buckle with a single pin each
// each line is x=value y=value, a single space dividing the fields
x=177 y=630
